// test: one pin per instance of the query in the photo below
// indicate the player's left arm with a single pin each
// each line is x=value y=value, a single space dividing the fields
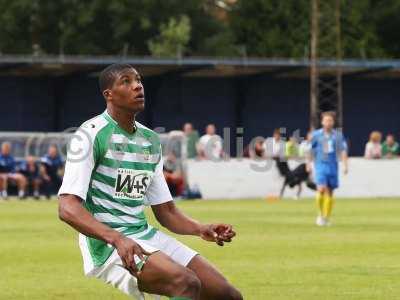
x=169 y=216
x=345 y=160
x=344 y=154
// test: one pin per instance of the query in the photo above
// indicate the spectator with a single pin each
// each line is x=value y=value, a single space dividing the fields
x=31 y=170
x=305 y=146
x=275 y=146
x=192 y=137
x=373 y=149
x=210 y=144
x=390 y=148
x=292 y=148
x=255 y=150
x=52 y=165
x=173 y=173
x=8 y=172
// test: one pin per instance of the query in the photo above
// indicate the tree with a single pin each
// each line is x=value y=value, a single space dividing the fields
x=272 y=28
x=173 y=38
x=262 y=28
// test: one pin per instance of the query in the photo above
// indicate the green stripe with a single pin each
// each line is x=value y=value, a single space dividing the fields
x=127 y=202
x=126 y=225
x=128 y=164
x=149 y=235
x=132 y=148
x=150 y=135
x=134 y=230
x=95 y=208
x=119 y=130
x=104 y=179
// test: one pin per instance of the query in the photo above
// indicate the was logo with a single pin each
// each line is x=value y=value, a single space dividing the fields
x=131 y=183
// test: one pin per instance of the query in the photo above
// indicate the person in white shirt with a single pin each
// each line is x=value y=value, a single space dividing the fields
x=210 y=144
x=275 y=146
x=373 y=149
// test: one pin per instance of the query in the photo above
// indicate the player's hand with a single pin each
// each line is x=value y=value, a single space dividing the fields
x=127 y=249
x=218 y=233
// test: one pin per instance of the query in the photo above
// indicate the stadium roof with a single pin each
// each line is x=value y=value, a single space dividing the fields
x=21 y=65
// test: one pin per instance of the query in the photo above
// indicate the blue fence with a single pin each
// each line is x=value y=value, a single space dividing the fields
x=258 y=104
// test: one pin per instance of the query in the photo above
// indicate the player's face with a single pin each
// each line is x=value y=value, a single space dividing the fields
x=328 y=122
x=127 y=91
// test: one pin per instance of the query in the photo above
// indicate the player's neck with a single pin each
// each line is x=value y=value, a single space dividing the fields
x=125 y=119
x=327 y=130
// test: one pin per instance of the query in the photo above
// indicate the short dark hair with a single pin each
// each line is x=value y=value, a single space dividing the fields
x=108 y=75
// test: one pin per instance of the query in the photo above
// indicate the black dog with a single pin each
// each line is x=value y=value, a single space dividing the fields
x=294 y=177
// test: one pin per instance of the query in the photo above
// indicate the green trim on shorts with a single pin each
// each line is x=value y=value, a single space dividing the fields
x=141 y=263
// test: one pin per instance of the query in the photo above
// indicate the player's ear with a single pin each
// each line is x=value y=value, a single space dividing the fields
x=107 y=93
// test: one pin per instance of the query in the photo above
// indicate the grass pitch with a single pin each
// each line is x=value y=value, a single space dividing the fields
x=278 y=254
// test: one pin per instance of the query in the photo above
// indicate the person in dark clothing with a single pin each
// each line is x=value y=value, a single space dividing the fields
x=31 y=170
x=9 y=174
x=52 y=164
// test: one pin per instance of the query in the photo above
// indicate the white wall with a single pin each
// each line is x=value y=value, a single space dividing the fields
x=246 y=178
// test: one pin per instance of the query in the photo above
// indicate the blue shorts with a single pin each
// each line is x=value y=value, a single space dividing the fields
x=327 y=175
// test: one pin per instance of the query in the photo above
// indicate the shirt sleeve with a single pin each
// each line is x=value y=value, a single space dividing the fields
x=314 y=141
x=79 y=165
x=158 y=191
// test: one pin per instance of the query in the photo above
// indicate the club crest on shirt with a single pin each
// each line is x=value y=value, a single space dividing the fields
x=146 y=154
x=131 y=183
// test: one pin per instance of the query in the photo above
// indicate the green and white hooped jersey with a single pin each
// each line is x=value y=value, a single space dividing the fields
x=116 y=174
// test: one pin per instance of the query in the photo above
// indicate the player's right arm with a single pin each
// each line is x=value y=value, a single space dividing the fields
x=79 y=166
x=310 y=154
x=71 y=211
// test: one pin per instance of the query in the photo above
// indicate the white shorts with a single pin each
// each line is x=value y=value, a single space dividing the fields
x=112 y=272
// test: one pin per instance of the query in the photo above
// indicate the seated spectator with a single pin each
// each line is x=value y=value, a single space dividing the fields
x=173 y=174
x=192 y=137
x=8 y=173
x=31 y=170
x=373 y=149
x=210 y=144
x=390 y=148
x=51 y=167
x=275 y=146
x=292 y=148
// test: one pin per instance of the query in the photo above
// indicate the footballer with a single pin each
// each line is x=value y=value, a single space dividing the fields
x=115 y=167
x=327 y=146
